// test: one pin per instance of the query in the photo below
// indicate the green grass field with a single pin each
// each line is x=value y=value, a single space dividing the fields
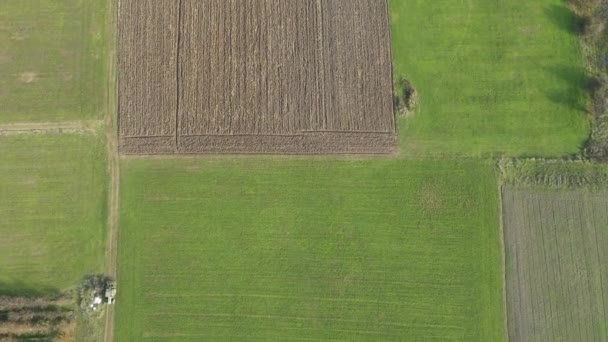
x=52 y=60
x=52 y=211
x=493 y=77
x=556 y=246
x=291 y=249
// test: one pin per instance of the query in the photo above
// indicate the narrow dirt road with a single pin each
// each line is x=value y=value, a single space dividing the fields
x=110 y=121
x=113 y=217
x=90 y=126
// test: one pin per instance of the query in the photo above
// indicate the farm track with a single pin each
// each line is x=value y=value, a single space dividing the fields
x=113 y=217
x=290 y=75
x=111 y=122
x=90 y=126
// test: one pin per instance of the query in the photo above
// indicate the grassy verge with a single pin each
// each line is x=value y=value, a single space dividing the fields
x=541 y=173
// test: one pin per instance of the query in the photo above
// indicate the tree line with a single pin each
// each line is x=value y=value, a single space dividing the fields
x=36 y=318
x=591 y=26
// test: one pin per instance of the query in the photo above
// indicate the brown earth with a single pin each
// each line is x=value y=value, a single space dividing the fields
x=147 y=82
x=260 y=76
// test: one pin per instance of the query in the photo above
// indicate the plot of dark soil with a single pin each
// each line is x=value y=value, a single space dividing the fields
x=259 y=76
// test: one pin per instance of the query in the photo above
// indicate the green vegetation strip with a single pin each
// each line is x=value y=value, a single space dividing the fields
x=493 y=77
x=540 y=173
x=52 y=65
x=52 y=210
x=592 y=16
x=287 y=249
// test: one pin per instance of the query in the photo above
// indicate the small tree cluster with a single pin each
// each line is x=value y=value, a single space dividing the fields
x=35 y=317
x=585 y=7
x=91 y=286
x=405 y=96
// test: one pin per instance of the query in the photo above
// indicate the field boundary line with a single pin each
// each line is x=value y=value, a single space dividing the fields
x=321 y=77
x=146 y=136
x=303 y=134
x=177 y=72
x=503 y=256
x=270 y=156
x=170 y=155
x=87 y=126
x=148 y=335
x=113 y=158
x=390 y=38
x=601 y=277
x=308 y=131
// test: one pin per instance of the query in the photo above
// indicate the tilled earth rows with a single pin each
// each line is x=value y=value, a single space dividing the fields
x=258 y=76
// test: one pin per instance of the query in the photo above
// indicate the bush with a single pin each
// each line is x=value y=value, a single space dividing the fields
x=585 y=7
x=91 y=286
x=405 y=96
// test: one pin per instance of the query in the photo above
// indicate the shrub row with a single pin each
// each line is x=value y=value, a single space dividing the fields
x=592 y=28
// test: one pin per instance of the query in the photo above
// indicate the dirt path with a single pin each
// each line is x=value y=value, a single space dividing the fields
x=113 y=163
x=110 y=121
x=113 y=216
x=90 y=126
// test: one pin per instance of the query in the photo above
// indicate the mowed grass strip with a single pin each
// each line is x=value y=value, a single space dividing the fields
x=556 y=245
x=493 y=77
x=52 y=210
x=288 y=249
x=52 y=60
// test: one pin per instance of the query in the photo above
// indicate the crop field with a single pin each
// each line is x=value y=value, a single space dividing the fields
x=556 y=244
x=52 y=211
x=52 y=60
x=281 y=249
x=493 y=77
x=270 y=76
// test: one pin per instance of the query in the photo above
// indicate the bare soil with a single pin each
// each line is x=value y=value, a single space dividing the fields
x=147 y=83
x=264 y=76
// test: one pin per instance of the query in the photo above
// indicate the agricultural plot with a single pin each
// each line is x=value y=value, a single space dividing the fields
x=556 y=244
x=52 y=60
x=493 y=77
x=52 y=211
x=265 y=76
x=285 y=249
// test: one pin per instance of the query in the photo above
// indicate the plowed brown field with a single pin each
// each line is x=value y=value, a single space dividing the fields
x=255 y=76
